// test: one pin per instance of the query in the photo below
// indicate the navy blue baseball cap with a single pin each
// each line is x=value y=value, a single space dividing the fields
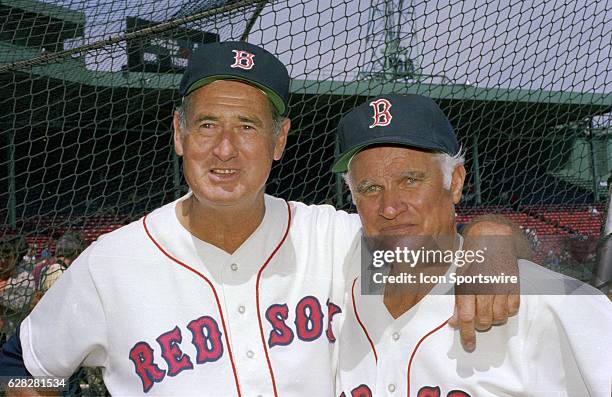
x=410 y=120
x=237 y=60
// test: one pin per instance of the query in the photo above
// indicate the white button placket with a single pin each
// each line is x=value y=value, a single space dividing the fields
x=240 y=311
x=389 y=354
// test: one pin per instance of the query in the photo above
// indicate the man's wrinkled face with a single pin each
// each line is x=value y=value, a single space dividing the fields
x=228 y=143
x=400 y=191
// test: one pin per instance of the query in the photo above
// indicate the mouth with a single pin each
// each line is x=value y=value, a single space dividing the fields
x=223 y=174
x=403 y=228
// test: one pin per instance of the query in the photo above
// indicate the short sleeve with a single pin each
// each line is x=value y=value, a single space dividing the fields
x=567 y=345
x=67 y=328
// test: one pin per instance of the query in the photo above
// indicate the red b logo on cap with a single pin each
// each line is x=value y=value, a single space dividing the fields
x=381 y=117
x=243 y=60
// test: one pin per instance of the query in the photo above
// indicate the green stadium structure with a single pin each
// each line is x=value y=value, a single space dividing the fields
x=81 y=139
x=86 y=141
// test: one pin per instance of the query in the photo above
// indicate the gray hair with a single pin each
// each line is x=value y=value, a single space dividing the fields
x=277 y=118
x=447 y=162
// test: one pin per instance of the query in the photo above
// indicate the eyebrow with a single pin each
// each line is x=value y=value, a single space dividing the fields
x=203 y=117
x=406 y=174
x=244 y=119
x=365 y=183
x=414 y=174
x=252 y=120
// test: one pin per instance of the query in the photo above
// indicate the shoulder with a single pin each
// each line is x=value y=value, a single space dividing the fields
x=324 y=215
x=538 y=280
x=567 y=300
x=120 y=240
x=130 y=242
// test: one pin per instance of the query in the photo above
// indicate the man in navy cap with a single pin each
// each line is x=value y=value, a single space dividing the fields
x=226 y=291
x=405 y=171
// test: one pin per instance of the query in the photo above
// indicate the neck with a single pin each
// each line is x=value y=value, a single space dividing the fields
x=224 y=227
x=399 y=298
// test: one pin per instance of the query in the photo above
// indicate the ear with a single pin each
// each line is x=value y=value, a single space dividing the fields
x=281 y=139
x=457 y=183
x=178 y=139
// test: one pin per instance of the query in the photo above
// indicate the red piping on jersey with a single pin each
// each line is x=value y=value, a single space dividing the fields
x=365 y=331
x=415 y=350
x=229 y=349
x=263 y=339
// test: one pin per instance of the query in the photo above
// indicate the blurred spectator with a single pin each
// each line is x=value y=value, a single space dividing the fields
x=565 y=257
x=532 y=236
x=16 y=282
x=67 y=248
x=553 y=260
x=30 y=256
x=46 y=251
x=535 y=239
x=593 y=211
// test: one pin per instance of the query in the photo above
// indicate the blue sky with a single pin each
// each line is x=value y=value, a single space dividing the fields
x=552 y=45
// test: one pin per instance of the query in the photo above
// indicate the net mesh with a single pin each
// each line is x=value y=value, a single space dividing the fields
x=87 y=91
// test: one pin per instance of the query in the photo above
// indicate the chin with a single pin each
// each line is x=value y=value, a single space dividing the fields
x=226 y=198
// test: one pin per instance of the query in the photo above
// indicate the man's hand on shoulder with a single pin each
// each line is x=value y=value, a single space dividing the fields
x=480 y=306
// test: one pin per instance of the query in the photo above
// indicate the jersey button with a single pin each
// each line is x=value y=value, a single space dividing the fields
x=396 y=336
x=241 y=309
x=234 y=267
x=391 y=388
x=250 y=354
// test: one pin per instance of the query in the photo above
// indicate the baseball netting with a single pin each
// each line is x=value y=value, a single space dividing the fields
x=87 y=91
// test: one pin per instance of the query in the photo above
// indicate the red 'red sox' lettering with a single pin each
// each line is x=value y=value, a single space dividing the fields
x=171 y=352
x=209 y=348
x=208 y=342
x=382 y=117
x=332 y=310
x=281 y=334
x=431 y=391
x=309 y=322
x=457 y=393
x=309 y=319
x=359 y=391
x=142 y=356
x=425 y=391
x=200 y=340
x=428 y=391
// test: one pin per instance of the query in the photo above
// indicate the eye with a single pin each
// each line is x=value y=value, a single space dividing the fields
x=409 y=181
x=206 y=125
x=370 y=189
x=247 y=127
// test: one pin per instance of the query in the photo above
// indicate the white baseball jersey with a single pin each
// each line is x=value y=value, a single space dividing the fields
x=557 y=345
x=167 y=314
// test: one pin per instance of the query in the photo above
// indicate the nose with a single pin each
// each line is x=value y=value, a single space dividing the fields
x=392 y=205
x=225 y=148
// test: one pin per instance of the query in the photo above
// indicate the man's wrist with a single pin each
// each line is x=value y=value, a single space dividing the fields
x=498 y=225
